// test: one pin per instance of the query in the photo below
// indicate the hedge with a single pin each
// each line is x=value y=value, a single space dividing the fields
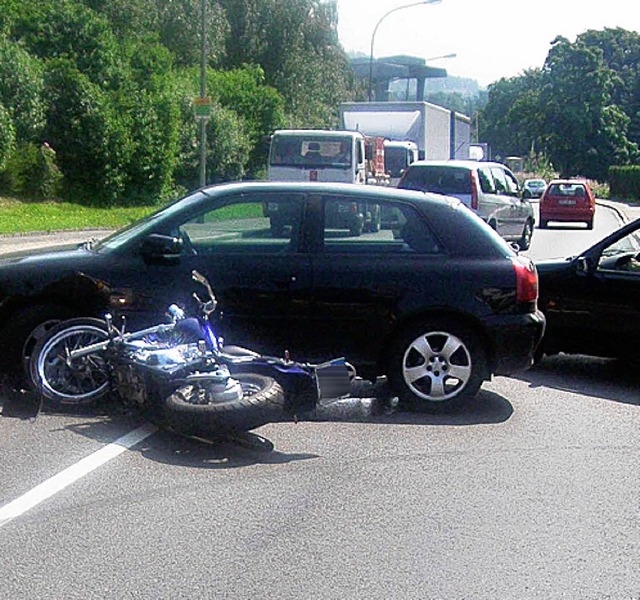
x=624 y=181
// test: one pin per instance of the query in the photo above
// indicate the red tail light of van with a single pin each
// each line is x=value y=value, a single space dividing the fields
x=474 y=190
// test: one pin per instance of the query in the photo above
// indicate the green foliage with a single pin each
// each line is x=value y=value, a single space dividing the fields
x=88 y=133
x=296 y=43
x=7 y=136
x=261 y=107
x=573 y=110
x=510 y=121
x=227 y=150
x=625 y=181
x=32 y=171
x=109 y=84
x=52 y=29
x=21 y=88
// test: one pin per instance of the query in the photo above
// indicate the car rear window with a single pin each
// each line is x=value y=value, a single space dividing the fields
x=566 y=189
x=437 y=179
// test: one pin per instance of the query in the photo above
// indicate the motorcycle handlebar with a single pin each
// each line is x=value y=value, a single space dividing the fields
x=134 y=335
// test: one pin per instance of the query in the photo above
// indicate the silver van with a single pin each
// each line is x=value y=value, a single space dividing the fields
x=489 y=189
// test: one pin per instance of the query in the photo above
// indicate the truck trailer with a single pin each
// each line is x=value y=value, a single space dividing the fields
x=438 y=132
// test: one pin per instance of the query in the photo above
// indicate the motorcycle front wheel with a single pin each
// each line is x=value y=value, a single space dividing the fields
x=190 y=409
x=56 y=376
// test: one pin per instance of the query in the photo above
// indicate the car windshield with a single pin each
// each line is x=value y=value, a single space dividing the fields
x=123 y=236
x=566 y=189
x=629 y=243
x=438 y=179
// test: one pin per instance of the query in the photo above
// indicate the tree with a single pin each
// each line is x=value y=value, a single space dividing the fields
x=584 y=131
x=7 y=136
x=21 y=89
x=67 y=29
x=296 y=44
x=87 y=133
x=511 y=119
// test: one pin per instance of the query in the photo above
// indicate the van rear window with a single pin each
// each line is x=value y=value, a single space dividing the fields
x=437 y=179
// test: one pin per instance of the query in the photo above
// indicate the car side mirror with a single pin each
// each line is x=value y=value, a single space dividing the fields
x=583 y=266
x=157 y=246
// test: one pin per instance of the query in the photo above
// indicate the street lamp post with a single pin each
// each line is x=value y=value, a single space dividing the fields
x=203 y=78
x=373 y=35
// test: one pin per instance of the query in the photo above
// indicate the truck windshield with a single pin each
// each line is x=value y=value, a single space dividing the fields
x=311 y=151
x=395 y=161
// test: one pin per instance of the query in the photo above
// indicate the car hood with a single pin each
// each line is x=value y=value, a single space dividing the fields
x=38 y=255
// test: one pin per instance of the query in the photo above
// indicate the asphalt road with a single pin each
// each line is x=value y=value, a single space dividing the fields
x=532 y=492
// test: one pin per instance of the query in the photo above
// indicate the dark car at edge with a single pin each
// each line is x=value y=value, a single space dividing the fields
x=438 y=302
x=592 y=300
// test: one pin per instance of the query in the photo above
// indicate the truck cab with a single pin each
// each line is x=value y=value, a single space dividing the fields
x=398 y=155
x=317 y=155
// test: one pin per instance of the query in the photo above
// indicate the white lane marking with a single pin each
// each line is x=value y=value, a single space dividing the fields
x=71 y=474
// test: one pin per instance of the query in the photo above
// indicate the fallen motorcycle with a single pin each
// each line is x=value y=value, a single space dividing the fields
x=180 y=374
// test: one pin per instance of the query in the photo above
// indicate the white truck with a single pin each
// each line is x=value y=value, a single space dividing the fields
x=326 y=155
x=438 y=132
x=317 y=155
x=398 y=155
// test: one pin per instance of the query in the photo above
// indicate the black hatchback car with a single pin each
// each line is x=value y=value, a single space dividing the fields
x=437 y=301
x=592 y=301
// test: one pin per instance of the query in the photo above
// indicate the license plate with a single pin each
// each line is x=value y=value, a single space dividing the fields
x=566 y=202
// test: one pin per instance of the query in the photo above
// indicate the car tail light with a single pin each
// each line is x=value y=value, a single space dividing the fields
x=474 y=190
x=526 y=279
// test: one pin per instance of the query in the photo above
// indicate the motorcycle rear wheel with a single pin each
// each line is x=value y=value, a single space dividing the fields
x=77 y=382
x=262 y=403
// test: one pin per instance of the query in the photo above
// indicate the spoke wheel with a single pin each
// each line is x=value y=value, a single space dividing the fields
x=60 y=378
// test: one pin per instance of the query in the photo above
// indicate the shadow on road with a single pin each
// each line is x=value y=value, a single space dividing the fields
x=608 y=379
x=106 y=421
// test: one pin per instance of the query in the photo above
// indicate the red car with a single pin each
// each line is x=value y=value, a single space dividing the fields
x=567 y=200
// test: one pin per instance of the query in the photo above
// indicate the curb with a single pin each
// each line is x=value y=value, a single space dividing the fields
x=625 y=212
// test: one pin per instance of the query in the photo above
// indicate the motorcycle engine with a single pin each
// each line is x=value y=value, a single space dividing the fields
x=131 y=384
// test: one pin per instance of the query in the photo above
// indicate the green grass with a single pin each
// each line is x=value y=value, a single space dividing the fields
x=18 y=216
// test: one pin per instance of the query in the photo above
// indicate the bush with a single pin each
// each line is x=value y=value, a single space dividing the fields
x=624 y=181
x=7 y=136
x=88 y=132
x=31 y=171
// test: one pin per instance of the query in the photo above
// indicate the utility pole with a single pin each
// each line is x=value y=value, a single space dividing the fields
x=204 y=103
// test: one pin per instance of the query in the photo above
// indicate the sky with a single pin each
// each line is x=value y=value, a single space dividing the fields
x=490 y=38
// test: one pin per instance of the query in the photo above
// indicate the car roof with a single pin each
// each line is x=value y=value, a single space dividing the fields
x=467 y=164
x=352 y=189
x=568 y=181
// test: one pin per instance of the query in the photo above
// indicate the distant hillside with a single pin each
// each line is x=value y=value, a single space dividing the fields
x=461 y=85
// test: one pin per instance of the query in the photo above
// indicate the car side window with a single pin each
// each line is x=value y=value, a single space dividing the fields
x=623 y=256
x=500 y=180
x=512 y=183
x=265 y=223
x=487 y=184
x=375 y=227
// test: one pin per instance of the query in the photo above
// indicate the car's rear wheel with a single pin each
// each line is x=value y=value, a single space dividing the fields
x=590 y=224
x=437 y=364
x=543 y=224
